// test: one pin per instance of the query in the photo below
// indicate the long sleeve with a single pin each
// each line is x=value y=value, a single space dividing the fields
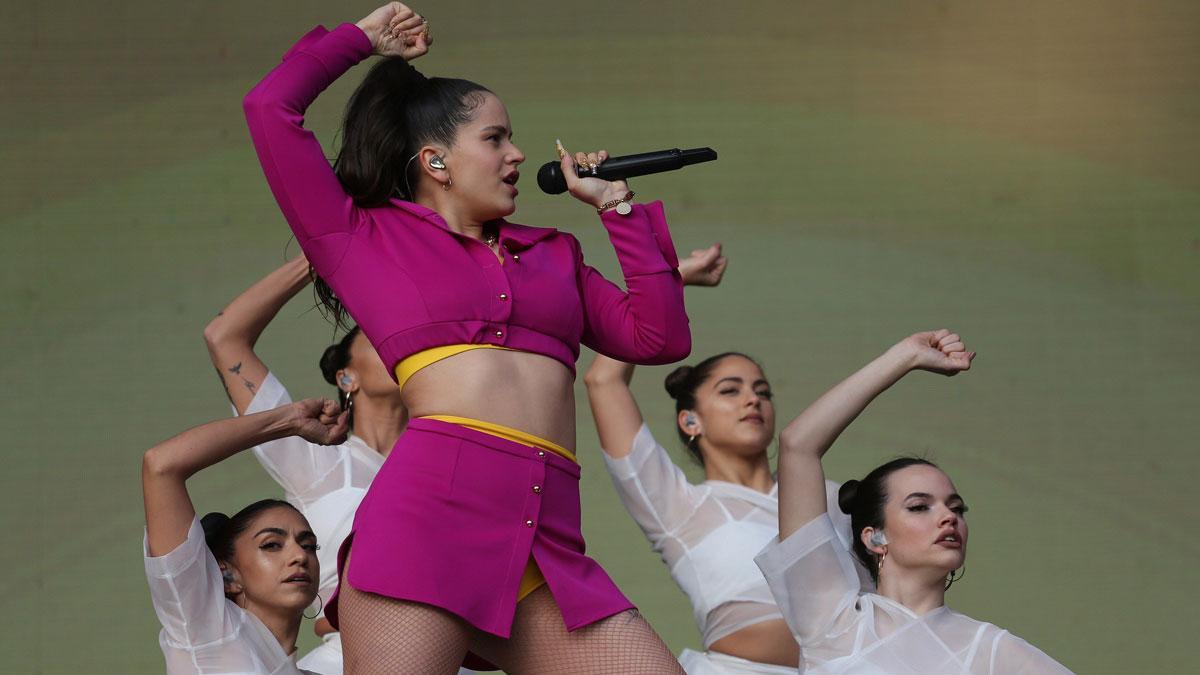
x=813 y=581
x=293 y=462
x=316 y=207
x=647 y=323
x=188 y=593
x=654 y=491
x=1012 y=655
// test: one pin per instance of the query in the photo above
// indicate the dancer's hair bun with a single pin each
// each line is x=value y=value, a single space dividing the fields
x=677 y=382
x=213 y=525
x=847 y=495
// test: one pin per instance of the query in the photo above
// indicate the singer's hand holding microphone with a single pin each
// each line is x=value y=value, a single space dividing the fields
x=589 y=190
x=595 y=179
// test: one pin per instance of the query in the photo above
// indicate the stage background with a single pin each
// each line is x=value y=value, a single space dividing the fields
x=1023 y=172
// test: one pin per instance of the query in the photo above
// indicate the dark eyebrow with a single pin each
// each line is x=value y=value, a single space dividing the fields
x=497 y=127
x=306 y=534
x=737 y=380
x=758 y=382
x=926 y=495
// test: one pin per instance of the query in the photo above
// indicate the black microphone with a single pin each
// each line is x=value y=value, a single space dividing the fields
x=552 y=182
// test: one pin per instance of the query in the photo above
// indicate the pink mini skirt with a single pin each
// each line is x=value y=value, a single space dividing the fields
x=452 y=519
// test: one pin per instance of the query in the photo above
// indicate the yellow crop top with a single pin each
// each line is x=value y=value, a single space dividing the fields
x=410 y=365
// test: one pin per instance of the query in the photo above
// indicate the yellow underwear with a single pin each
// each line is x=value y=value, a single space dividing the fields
x=411 y=364
x=532 y=579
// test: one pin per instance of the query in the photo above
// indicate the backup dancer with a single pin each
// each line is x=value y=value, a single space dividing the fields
x=230 y=592
x=326 y=483
x=910 y=531
x=707 y=534
x=469 y=537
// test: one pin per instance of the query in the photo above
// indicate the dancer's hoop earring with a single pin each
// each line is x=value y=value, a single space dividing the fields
x=320 y=606
x=955 y=576
x=882 y=557
x=448 y=184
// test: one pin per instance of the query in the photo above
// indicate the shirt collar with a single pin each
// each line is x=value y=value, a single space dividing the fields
x=513 y=236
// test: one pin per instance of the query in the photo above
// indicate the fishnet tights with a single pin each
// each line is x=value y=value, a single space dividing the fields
x=384 y=636
x=540 y=644
x=381 y=635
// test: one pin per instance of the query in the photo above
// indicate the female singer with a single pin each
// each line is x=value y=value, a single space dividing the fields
x=910 y=530
x=480 y=320
x=230 y=592
x=707 y=534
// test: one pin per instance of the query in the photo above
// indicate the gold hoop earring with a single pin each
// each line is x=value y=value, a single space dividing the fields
x=448 y=184
x=882 y=557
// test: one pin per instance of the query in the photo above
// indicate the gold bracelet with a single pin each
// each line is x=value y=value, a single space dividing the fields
x=622 y=205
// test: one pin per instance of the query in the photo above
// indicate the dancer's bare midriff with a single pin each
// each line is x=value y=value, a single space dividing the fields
x=768 y=641
x=765 y=642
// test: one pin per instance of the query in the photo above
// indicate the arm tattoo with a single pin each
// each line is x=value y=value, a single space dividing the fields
x=249 y=385
x=221 y=377
x=236 y=370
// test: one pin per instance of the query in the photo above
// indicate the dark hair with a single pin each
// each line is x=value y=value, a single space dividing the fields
x=220 y=531
x=335 y=357
x=864 y=501
x=682 y=384
x=393 y=113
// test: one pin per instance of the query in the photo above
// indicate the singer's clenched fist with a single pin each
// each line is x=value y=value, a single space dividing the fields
x=396 y=30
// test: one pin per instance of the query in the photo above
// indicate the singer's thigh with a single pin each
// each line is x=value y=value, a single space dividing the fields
x=540 y=643
x=382 y=635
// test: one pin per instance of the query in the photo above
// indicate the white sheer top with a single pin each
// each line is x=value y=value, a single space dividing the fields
x=203 y=632
x=844 y=630
x=706 y=535
x=326 y=482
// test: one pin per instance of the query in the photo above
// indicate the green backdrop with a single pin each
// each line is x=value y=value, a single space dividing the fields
x=1022 y=172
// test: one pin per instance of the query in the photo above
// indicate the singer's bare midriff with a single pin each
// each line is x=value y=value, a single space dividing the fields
x=764 y=642
x=529 y=392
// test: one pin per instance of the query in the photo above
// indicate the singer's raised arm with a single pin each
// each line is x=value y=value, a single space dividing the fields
x=312 y=199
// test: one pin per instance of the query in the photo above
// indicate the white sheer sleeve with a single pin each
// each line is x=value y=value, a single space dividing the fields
x=293 y=462
x=813 y=580
x=1011 y=654
x=653 y=489
x=188 y=593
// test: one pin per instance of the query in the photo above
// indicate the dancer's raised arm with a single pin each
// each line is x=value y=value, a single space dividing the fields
x=806 y=439
x=232 y=334
x=167 y=466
